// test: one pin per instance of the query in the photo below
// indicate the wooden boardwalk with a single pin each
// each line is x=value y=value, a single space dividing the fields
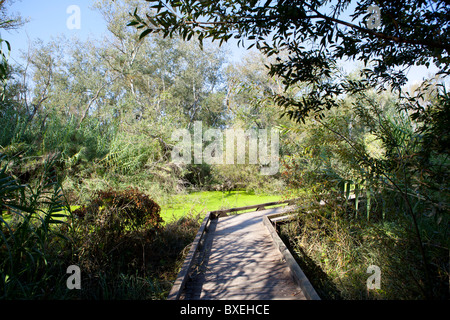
x=236 y=259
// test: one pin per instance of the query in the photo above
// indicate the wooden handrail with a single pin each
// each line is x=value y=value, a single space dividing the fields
x=296 y=272
x=180 y=281
x=224 y=212
x=182 y=277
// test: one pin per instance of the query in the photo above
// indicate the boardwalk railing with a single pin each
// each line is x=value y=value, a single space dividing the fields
x=263 y=206
x=183 y=275
x=297 y=273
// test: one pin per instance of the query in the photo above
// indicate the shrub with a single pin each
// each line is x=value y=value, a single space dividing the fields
x=115 y=229
x=123 y=248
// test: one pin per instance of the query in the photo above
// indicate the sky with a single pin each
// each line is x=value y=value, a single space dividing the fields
x=50 y=18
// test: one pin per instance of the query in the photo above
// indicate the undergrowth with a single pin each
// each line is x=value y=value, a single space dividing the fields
x=335 y=249
x=121 y=243
x=118 y=240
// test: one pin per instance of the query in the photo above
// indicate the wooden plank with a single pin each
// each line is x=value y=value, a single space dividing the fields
x=258 y=207
x=242 y=262
x=279 y=290
x=242 y=295
x=181 y=279
x=296 y=271
x=282 y=218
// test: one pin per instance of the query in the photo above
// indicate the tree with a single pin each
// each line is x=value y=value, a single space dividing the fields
x=315 y=35
x=308 y=38
x=8 y=21
x=249 y=92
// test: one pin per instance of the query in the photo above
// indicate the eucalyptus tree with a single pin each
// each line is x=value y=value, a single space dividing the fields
x=166 y=78
x=250 y=90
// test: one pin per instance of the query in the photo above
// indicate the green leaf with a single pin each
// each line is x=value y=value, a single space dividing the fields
x=133 y=23
x=145 y=33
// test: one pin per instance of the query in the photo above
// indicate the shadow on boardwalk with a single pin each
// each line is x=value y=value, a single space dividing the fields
x=239 y=261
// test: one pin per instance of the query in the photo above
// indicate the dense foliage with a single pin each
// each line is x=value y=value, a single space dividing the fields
x=314 y=36
x=410 y=168
x=86 y=140
x=380 y=202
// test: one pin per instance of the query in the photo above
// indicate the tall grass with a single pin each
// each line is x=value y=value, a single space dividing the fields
x=335 y=248
x=31 y=235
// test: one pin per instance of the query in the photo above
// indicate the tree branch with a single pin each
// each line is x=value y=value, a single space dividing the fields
x=92 y=101
x=383 y=36
x=318 y=15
